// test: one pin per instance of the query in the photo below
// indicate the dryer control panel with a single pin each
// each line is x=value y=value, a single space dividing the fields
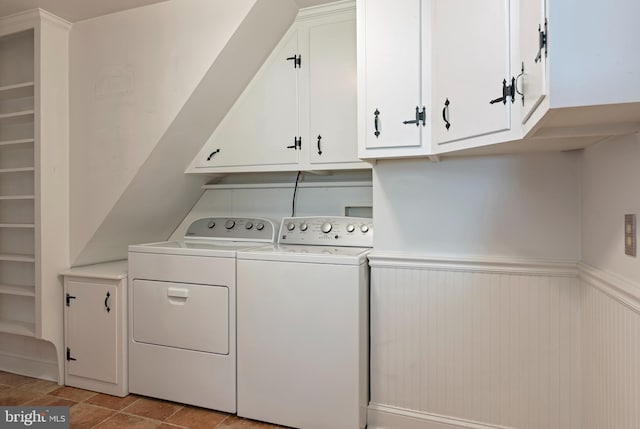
x=231 y=228
x=327 y=231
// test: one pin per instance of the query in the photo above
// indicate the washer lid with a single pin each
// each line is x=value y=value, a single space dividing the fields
x=218 y=249
x=308 y=254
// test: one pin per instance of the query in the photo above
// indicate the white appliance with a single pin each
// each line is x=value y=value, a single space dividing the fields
x=303 y=325
x=182 y=312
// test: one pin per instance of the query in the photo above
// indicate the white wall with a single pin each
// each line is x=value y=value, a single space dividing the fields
x=610 y=287
x=271 y=198
x=469 y=328
x=131 y=72
x=524 y=206
x=148 y=87
x=611 y=180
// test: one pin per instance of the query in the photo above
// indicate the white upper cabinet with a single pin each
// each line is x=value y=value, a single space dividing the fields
x=393 y=56
x=586 y=84
x=332 y=92
x=533 y=55
x=299 y=111
x=471 y=64
x=261 y=127
x=561 y=75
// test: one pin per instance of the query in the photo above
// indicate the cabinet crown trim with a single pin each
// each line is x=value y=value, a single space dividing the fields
x=336 y=8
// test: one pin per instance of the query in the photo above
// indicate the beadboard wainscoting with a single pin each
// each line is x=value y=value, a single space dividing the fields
x=474 y=343
x=610 y=350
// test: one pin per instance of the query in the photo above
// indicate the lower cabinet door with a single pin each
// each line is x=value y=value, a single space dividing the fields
x=92 y=346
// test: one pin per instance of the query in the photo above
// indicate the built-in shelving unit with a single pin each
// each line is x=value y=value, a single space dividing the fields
x=33 y=175
x=17 y=178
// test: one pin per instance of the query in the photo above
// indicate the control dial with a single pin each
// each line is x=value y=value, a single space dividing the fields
x=248 y=225
x=351 y=228
x=291 y=226
x=211 y=224
x=230 y=224
x=260 y=226
x=304 y=227
x=364 y=228
x=326 y=227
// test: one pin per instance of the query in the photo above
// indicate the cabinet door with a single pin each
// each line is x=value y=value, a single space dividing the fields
x=264 y=121
x=332 y=92
x=390 y=67
x=91 y=330
x=534 y=59
x=471 y=58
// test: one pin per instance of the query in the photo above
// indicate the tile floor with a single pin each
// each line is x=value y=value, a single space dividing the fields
x=96 y=410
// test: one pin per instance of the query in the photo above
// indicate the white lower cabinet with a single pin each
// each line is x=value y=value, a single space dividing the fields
x=299 y=111
x=95 y=328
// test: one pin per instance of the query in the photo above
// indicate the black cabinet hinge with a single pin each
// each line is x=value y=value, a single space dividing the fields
x=297 y=61
x=69 y=358
x=543 y=41
x=420 y=117
x=508 y=91
x=68 y=299
x=297 y=143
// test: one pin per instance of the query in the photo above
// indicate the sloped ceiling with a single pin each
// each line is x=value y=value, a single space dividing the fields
x=78 y=10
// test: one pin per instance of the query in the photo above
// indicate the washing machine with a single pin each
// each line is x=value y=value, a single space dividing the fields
x=182 y=312
x=302 y=325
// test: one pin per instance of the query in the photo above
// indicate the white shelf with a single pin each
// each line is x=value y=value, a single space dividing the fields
x=16 y=170
x=17 y=117
x=18 y=328
x=17 y=225
x=19 y=90
x=16 y=258
x=17 y=290
x=18 y=141
x=16 y=197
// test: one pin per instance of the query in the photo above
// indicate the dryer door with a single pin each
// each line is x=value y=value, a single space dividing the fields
x=181 y=315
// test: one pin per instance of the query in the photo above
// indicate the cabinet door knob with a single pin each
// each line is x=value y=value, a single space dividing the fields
x=211 y=155
x=520 y=93
x=376 y=123
x=445 y=114
x=106 y=302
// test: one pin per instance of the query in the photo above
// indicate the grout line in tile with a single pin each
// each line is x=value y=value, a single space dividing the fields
x=222 y=421
x=175 y=412
x=100 y=422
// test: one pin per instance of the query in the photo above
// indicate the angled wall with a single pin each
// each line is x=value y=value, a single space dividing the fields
x=610 y=286
x=148 y=87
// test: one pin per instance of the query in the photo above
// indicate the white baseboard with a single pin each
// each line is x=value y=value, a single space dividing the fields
x=29 y=366
x=386 y=417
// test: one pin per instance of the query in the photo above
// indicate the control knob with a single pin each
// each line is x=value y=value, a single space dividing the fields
x=326 y=227
x=351 y=228
x=364 y=228
x=211 y=224
x=304 y=227
x=291 y=226
x=260 y=226
x=230 y=224
x=248 y=225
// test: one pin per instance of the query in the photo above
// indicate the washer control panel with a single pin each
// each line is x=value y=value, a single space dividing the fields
x=327 y=231
x=231 y=228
